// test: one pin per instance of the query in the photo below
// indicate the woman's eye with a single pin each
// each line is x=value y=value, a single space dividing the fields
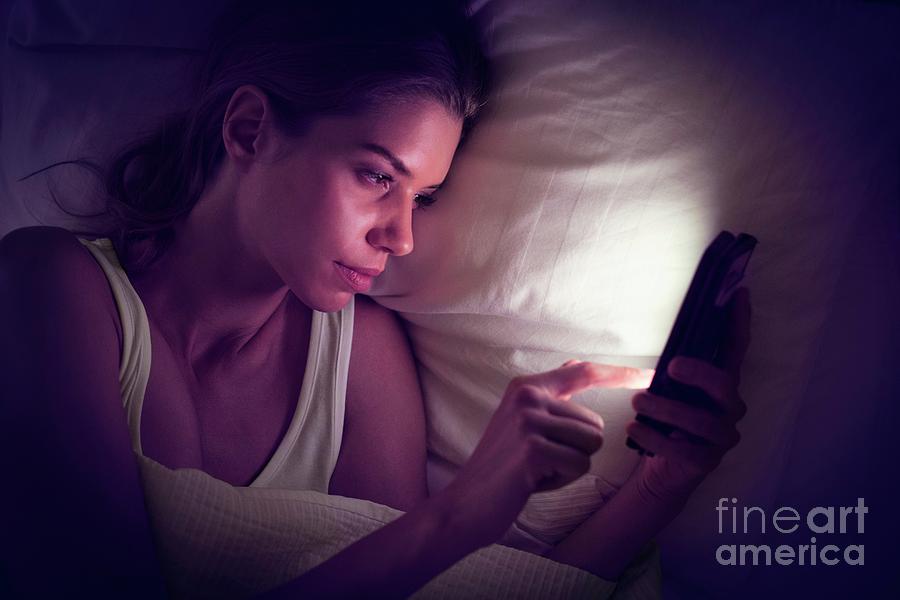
x=377 y=178
x=383 y=179
x=423 y=201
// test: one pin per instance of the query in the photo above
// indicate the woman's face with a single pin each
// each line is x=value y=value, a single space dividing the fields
x=344 y=194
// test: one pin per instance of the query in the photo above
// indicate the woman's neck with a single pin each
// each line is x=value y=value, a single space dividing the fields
x=209 y=294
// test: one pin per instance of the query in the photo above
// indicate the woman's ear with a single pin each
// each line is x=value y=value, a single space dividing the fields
x=247 y=126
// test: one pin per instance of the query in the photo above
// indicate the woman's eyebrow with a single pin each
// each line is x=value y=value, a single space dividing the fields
x=391 y=158
x=395 y=162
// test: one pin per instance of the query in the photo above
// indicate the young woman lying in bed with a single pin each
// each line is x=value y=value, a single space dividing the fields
x=243 y=224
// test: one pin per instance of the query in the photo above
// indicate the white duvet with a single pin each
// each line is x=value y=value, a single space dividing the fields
x=220 y=541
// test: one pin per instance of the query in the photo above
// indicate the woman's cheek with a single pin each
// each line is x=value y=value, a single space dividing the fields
x=354 y=204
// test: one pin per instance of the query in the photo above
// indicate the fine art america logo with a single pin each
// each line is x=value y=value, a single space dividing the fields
x=819 y=520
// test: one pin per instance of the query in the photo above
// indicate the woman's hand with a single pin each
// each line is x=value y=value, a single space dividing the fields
x=702 y=437
x=536 y=440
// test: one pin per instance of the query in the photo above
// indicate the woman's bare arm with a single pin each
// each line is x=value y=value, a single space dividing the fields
x=609 y=540
x=72 y=508
x=383 y=449
x=394 y=561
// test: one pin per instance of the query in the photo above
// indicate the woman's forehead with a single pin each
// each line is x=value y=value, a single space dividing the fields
x=411 y=133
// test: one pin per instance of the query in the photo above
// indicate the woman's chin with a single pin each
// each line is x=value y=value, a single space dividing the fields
x=343 y=298
x=333 y=302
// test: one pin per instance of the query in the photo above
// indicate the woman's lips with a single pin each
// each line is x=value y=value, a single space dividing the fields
x=356 y=280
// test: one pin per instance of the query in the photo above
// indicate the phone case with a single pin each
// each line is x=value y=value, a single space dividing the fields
x=700 y=325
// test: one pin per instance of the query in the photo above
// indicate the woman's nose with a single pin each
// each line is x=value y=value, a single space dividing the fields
x=394 y=233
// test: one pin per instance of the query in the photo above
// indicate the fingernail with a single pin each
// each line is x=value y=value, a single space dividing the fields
x=643 y=378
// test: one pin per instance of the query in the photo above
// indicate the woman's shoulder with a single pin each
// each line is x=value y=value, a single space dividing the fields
x=376 y=326
x=385 y=415
x=40 y=246
x=43 y=268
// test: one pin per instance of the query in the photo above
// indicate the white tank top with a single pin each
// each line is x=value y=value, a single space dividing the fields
x=307 y=455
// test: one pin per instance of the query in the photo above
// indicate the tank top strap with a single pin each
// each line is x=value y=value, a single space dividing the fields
x=308 y=454
x=134 y=364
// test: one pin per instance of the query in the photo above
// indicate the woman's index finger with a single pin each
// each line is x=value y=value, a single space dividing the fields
x=576 y=377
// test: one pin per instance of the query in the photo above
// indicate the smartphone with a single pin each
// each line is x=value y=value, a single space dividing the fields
x=701 y=323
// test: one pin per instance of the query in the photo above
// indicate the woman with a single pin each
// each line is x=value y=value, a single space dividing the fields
x=314 y=135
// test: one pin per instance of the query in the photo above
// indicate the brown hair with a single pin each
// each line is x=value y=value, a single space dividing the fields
x=311 y=59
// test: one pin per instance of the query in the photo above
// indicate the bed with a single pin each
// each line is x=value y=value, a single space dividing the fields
x=620 y=139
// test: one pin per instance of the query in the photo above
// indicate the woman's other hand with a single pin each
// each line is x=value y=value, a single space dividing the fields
x=537 y=440
x=702 y=437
